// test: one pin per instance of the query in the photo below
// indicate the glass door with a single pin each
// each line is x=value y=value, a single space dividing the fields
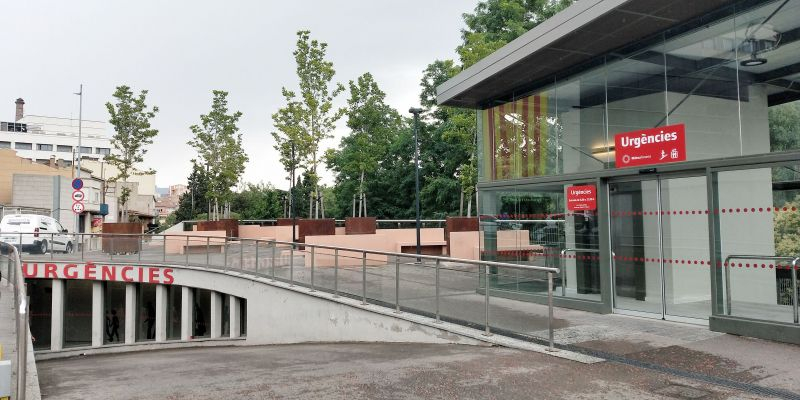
x=659 y=239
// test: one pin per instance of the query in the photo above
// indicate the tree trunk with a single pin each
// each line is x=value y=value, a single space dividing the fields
x=469 y=204
x=365 y=204
x=322 y=204
x=461 y=204
x=354 y=206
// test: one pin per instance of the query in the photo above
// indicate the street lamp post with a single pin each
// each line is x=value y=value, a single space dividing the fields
x=416 y=112
x=78 y=161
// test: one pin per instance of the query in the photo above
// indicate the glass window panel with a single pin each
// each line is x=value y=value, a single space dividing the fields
x=226 y=315
x=202 y=313
x=146 y=316
x=243 y=317
x=40 y=293
x=174 y=300
x=77 y=313
x=762 y=221
x=114 y=312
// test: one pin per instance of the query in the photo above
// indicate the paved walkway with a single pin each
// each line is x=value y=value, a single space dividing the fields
x=361 y=371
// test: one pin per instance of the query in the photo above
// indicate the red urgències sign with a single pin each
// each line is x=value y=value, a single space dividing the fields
x=665 y=144
x=98 y=272
x=582 y=198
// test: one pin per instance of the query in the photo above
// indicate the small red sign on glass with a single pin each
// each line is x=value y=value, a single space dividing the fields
x=665 y=144
x=582 y=198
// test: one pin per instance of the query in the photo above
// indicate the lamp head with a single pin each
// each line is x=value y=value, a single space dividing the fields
x=415 y=110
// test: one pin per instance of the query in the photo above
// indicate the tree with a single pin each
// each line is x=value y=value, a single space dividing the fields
x=195 y=201
x=497 y=22
x=372 y=123
x=219 y=146
x=130 y=117
x=309 y=118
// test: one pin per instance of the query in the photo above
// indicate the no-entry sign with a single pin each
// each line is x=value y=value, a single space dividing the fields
x=582 y=198
x=665 y=144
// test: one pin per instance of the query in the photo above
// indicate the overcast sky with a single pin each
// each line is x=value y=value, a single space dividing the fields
x=182 y=50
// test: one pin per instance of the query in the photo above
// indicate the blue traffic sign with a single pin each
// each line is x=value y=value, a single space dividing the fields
x=77 y=183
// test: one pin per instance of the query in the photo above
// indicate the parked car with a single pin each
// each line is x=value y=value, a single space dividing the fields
x=40 y=234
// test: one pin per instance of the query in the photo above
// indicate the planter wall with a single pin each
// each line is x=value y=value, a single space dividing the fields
x=360 y=225
x=230 y=226
x=315 y=227
x=459 y=224
x=114 y=244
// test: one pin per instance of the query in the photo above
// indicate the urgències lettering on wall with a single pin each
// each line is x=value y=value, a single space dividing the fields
x=100 y=272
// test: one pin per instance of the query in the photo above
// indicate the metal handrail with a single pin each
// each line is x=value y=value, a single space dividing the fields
x=793 y=273
x=563 y=268
x=21 y=317
x=486 y=265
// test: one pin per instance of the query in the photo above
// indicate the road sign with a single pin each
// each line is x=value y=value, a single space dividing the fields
x=77 y=183
x=78 y=196
x=77 y=207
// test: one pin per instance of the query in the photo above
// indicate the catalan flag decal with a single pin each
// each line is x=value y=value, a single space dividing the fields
x=515 y=139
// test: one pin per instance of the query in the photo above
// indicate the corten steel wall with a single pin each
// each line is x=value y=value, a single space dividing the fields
x=459 y=224
x=122 y=244
x=285 y=221
x=360 y=225
x=230 y=226
x=315 y=227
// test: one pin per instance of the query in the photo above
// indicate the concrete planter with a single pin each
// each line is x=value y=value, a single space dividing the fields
x=360 y=225
x=121 y=244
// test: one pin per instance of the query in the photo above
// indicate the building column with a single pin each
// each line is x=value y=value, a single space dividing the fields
x=161 y=313
x=187 y=308
x=216 y=315
x=130 y=313
x=236 y=313
x=57 y=316
x=98 y=314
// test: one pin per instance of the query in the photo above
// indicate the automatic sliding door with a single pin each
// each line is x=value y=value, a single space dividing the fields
x=635 y=238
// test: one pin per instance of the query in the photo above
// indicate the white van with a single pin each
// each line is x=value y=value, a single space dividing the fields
x=40 y=234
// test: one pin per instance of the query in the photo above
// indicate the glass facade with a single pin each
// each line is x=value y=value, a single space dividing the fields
x=202 y=313
x=734 y=84
x=174 y=303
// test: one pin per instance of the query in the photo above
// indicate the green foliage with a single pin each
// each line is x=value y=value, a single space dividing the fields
x=130 y=118
x=195 y=201
x=372 y=125
x=787 y=231
x=497 y=22
x=219 y=146
x=784 y=126
x=258 y=201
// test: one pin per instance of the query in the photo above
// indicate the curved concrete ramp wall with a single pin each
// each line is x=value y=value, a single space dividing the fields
x=278 y=314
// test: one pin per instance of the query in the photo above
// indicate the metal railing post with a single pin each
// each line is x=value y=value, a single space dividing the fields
x=312 y=269
x=550 y=312
x=274 y=250
x=140 y=247
x=364 y=278
x=225 y=250
x=51 y=248
x=83 y=246
x=208 y=250
x=397 y=285
x=291 y=266
x=728 y=301
x=794 y=289
x=111 y=239
x=336 y=273
x=438 y=316
x=164 y=248
x=241 y=254
x=488 y=331
x=186 y=250
x=256 y=266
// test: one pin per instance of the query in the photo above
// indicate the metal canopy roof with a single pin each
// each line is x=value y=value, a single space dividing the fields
x=580 y=33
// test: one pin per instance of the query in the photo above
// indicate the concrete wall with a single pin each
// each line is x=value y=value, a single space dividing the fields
x=279 y=233
x=13 y=164
x=176 y=241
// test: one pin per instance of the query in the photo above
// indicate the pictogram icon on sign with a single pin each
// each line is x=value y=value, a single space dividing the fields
x=78 y=195
x=77 y=207
x=77 y=183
